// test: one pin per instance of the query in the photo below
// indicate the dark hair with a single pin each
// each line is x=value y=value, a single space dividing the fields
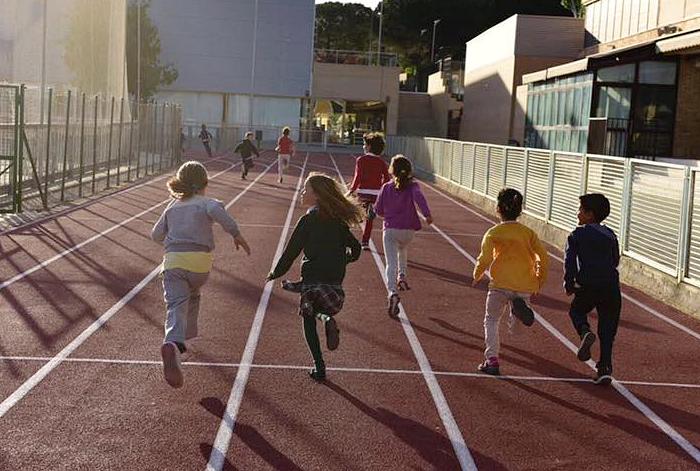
x=596 y=203
x=375 y=142
x=402 y=171
x=510 y=203
x=190 y=178
x=286 y=131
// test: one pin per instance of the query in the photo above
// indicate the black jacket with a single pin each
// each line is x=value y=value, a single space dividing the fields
x=246 y=149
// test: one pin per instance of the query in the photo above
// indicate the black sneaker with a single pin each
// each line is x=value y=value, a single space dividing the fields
x=293 y=286
x=584 y=351
x=393 y=308
x=604 y=376
x=489 y=369
x=318 y=374
x=365 y=245
x=402 y=284
x=332 y=334
x=522 y=311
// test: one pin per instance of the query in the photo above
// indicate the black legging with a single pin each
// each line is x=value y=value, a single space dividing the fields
x=314 y=344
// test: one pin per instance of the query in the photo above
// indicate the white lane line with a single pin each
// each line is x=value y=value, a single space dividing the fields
x=228 y=421
x=82 y=244
x=63 y=212
x=643 y=408
x=645 y=307
x=461 y=450
x=460 y=374
x=37 y=377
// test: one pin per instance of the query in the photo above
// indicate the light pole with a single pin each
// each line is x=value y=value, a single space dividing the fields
x=379 y=46
x=138 y=54
x=432 y=48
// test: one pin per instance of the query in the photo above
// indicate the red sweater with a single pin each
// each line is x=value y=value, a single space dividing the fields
x=371 y=172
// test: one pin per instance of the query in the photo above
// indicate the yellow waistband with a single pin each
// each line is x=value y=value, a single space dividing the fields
x=196 y=262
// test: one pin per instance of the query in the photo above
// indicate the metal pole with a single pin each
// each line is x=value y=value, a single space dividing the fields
x=138 y=51
x=131 y=141
x=109 y=144
x=252 y=68
x=154 y=137
x=162 y=140
x=65 y=149
x=82 y=147
x=379 y=43
x=19 y=152
x=48 y=146
x=432 y=48
x=94 y=144
x=138 y=143
x=119 y=145
x=43 y=62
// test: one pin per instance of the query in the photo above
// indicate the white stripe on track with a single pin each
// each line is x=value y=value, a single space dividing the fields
x=645 y=307
x=466 y=461
x=643 y=408
x=228 y=421
x=82 y=244
x=37 y=377
x=459 y=374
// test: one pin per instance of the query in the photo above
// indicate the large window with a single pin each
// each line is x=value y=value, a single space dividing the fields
x=557 y=113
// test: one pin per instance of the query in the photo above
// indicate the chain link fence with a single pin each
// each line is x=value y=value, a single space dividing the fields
x=652 y=204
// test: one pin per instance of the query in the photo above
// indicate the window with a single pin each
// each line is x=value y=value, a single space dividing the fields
x=614 y=102
x=657 y=72
x=618 y=73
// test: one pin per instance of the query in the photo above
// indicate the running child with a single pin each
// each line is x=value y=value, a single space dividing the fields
x=185 y=229
x=590 y=274
x=246 y=149
x=396 y=203
x=371 y=172
x=323 y=234
x=285 y=151
x=205 y=136
x=518 y=265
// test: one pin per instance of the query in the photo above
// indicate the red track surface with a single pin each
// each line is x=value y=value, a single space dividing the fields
x=107 y=407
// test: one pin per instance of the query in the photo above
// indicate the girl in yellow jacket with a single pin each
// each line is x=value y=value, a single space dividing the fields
x=517 y=262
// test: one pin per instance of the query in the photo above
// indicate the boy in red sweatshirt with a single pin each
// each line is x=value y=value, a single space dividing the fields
x=371 y=172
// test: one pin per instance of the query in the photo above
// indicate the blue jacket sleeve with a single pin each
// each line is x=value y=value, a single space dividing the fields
x=570 y=263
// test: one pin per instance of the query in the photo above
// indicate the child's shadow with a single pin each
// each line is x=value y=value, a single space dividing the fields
x=248 y=435
x=430 y=445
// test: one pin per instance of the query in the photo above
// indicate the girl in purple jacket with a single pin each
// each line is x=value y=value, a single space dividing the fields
x=397 y=205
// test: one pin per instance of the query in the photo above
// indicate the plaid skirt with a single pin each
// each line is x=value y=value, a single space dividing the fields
x=321 y=299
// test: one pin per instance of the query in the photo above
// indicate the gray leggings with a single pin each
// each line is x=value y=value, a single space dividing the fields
x=181 y=292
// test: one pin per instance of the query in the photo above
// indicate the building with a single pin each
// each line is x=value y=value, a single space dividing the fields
x=252 y=64
x=633 y=92
x=495 y=62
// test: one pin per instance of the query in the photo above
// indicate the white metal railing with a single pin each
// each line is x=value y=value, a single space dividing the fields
x=652 y=204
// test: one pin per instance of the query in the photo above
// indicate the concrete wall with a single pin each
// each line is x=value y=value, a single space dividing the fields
x=495 y=62
x=360 y=83
x=211 y=44
x=441 y=103
x=415 y=115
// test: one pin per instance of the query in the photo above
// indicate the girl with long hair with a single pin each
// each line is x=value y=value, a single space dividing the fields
x=323 y=235
x=397 y=203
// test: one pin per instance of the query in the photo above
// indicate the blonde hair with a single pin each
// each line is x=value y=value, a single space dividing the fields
x=332 y=203
x=189 y=179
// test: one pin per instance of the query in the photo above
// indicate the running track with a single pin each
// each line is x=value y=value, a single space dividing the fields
x=81 y=385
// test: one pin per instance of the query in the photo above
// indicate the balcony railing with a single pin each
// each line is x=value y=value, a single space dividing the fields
x=337 y=56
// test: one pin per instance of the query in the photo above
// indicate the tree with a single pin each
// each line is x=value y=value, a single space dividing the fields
x=153 y=73
x=343 y=26
x=575 y=6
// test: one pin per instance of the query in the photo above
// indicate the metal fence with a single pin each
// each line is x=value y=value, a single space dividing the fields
x=652 y=204
x=74 y=145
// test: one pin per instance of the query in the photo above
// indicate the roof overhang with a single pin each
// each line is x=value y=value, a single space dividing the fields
x=684 y=44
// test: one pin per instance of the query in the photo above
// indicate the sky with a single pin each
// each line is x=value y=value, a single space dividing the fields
x=369 y=3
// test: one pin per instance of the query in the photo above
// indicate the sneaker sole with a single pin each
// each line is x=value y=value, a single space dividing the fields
x=332 y=334
x=171 y=368
x=393 y=309
x=523 y=312
x=604 y=380
x=489 y=370
x=584 y=351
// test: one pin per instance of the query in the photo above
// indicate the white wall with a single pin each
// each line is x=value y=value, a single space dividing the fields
x=211 y=44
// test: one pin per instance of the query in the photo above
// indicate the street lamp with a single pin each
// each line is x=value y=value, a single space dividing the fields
x=432 y=48
x=379 y=47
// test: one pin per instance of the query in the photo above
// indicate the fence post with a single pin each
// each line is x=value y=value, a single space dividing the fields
x=19 y=149
x=109 y=144
x=82 y=147
x=584 y=174
x=526 y=163
x=48 y=147
x=505 y=167
x=471 y=187
x=119 y=146
x=94 y=143
x=138 y=140
x=131 y=140
x=65 y=149
x=162 y=140
x=684 y=233
x=488 y=169
x=626 y=205
x=550 y=187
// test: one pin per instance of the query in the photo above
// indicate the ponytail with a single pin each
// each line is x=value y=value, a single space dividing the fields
x=402 y=171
